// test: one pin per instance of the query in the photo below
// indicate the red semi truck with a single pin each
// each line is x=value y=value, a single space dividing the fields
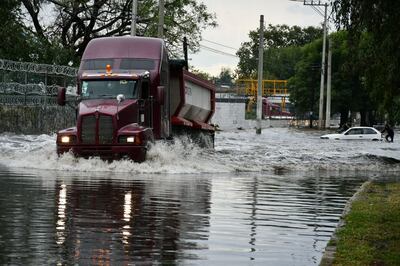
x=131 y=94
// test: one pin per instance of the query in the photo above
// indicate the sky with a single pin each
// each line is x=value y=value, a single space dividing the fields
x=236 y=18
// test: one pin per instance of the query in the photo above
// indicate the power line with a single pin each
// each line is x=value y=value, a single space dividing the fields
x=317 y=10
x=223 y=45
x=217 y=51
x=214 y=50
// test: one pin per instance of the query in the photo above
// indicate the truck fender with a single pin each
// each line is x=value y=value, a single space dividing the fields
x=146 y=134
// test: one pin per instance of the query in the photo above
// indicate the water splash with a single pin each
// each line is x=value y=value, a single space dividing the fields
x=276 y=149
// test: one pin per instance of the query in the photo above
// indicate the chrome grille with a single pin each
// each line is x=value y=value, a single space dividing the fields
x=105 y=129
x=89 y=129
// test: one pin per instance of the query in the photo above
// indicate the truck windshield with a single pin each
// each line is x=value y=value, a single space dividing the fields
x=106 y=89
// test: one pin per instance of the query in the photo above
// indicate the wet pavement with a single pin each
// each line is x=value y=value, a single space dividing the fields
x=253 y=218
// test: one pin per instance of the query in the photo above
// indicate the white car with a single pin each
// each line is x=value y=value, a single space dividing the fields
x=360 y=133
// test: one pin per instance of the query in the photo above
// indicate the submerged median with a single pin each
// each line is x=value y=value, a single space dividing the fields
x=371 y=231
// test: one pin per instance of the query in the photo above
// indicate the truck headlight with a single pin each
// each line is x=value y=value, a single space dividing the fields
x=65 y=139
x=129 y=139
x=70 y=139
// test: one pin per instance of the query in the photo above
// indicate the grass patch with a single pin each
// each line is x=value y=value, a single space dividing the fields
x=371 y=235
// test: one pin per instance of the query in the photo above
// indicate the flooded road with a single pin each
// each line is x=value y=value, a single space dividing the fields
x=273 y=199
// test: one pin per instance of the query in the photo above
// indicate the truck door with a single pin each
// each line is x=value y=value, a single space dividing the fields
x=145 y=114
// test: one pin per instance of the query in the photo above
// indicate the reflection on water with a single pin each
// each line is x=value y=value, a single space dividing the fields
x=62 y=204
x=127 y=217
x=56 y=218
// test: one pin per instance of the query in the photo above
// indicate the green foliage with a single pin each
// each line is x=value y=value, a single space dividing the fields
x=374 y=45
x=13 y=35
x=347 y=90
x=75 y=23
x=225 y=77
x=342 y=85
x=202 y=74
x=279 y=62
x=304 y=85
x=282 y=50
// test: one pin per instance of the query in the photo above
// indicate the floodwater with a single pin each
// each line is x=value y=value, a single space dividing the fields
x=269 y=199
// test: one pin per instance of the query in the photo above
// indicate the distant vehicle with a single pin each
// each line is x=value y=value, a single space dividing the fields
x=274 y=111
x=359 y=133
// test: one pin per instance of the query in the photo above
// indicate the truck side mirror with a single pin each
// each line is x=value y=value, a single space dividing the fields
x=61 y=96
x=160 y=94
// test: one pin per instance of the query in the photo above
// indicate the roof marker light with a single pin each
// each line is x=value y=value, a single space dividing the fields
x=108 y=69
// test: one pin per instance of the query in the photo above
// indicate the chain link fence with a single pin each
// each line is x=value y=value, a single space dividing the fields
x=30 y=84
x=15 y=66
x=28 y=97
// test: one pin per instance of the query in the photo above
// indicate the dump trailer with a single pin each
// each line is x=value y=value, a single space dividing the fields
x=130 y=95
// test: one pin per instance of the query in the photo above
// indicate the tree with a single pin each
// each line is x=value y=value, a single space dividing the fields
x=281 y=43
x=280 y=63
x=348 y=94
x=202 y=74
x=74 y=23
x=303 y=86
x=374 y=43
x=15 y=44
x=225 y=77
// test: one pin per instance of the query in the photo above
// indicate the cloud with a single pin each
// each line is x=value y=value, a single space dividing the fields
x=215 y=70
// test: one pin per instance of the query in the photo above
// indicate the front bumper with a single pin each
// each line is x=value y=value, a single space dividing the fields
x=106 y=152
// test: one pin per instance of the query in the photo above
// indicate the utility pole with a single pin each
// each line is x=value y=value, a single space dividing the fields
x=328 y=86
x=161 y=19
x=260 y=75
x=321 y=91
x=185 y=52
x=134 y=17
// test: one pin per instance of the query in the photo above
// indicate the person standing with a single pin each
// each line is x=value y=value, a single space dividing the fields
x=389 y=133
x=344 y=127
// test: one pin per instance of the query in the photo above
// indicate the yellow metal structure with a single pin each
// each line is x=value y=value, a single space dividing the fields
x=270 y=87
